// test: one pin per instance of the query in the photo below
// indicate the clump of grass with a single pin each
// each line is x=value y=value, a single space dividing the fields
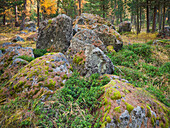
x=27 y=58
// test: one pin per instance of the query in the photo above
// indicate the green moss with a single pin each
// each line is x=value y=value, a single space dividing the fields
x=20 y=83
x=126 y=91
x=108 y=119
x=129 y=107
x=116 y=95
x=64 y=77
x=50 y=21
x=40 y=78
x=71 y=68
x=167 y=122
x=77 y=59
x=153 y=120
x=104 y=118
x=53 y=65
x=148 y=114
x=104 y=124
x=162 y=124
x=142 y=107
x=117 y=109
x=46 y=72
x=51 y=70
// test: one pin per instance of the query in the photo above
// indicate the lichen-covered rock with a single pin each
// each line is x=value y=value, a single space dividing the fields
x=11 y=52
x=32 y=37
x=39 y=79
x=103 y=28
x=126 y=106
x=56 y=33
x=109 y=37
x=89 y=37
x=88 y=59
x=17 y=38
x=125 y=26
x=90 y=19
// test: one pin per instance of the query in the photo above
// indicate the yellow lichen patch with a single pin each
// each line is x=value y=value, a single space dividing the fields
x=110 y=48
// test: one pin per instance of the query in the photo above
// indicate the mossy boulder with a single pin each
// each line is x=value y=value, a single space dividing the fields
x=125 y=26
x=55 y=33
x=39 y=79
x=101 y=27
x=10 y=65
x=137 y=108
x=86 y=58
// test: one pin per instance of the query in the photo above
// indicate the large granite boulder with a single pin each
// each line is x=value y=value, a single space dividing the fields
x=125 y=106
x=109 y=36
x=125 y=26
x=103 y=28
x=39 y=79
x=87 y=57
x=55 y=33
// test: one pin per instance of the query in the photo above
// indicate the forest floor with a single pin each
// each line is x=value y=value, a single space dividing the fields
x=144 y=64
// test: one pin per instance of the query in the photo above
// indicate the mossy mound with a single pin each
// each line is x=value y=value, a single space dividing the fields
x=126 y=106
x=42 y=76
x=9 y=66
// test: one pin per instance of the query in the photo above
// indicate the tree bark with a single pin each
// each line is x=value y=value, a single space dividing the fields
x=147 y=15
x=16 y=16
x=79 y=7
x=140 y=18
x=103 y=6
x=58 y=3
x=154 y=19
x=4 y=19
x=38 y=13
x=137 y=17
x=163 y=24
x=23 y=15
x=160 y=17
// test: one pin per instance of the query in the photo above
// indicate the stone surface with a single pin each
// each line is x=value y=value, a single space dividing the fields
x=109 y=37
x=125 y=26
x=137 y=109
x=17 y=38
x=8 y=61
x=103 y=28
x=43 y=75
x=87 y=58
x=55 y=33
x=32 y=37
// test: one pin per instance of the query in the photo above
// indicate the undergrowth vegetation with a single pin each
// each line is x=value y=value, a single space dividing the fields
x=75 y=105
x=141 y=66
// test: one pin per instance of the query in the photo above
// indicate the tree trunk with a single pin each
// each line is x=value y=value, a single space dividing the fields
x=103 y=6
x=140 y=18
x=160 y=17
x=58 y=3
x=114 y=15
x=147 y=15
x=23 y=15
x=79 y=7
x=154 y=19
x=16 y=16
x=38 y=13
x=163 y=24
x=131 y=18
x=137 y=17
x=4 y=19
